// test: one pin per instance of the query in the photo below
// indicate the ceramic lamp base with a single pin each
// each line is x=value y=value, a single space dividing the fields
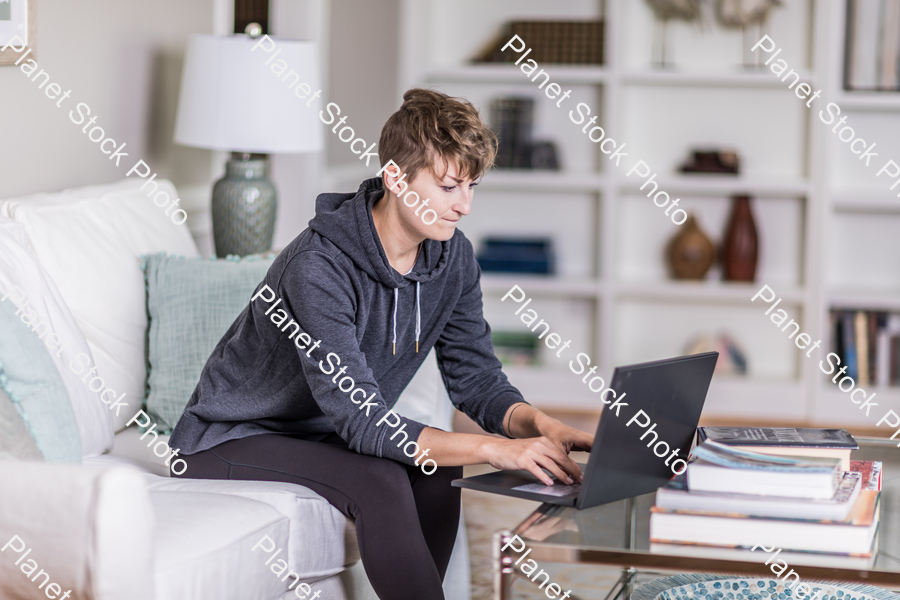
x=244 y=207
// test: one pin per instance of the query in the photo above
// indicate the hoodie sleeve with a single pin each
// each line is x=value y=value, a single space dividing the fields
x=474 y=376
x=321 y=295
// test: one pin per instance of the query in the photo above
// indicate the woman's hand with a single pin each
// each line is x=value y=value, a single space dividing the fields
x=525 y=421
x=531 y=454
x=567 y=437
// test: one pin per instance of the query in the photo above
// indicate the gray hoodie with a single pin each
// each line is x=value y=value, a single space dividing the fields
x=335 y=281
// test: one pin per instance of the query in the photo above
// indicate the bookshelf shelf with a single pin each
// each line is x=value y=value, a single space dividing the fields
x=492 y=283
x=865 y=199
x=754 y=79
x=869 y=101
x=509 y=73
x=712 y=292
x=724 y=185
x=887 y=300
x=549 y=181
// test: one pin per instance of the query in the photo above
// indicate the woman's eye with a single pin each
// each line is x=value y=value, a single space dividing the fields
x=448 y=188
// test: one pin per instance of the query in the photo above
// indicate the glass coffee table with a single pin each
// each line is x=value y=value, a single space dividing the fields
x=618 y=534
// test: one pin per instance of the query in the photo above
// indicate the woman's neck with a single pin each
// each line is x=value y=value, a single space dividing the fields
x=401 y=245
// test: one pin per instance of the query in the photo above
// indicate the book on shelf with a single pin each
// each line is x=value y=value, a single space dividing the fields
x=551 y=42
x=786 y=441
x=872 y=45
x=868 y=343
x=853 y=535
x=721 y=468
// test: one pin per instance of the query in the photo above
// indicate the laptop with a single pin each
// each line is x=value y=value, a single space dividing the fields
x=671 y=392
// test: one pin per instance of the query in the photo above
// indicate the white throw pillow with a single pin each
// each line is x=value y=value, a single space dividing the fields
x=25 y=284
x=90 y=241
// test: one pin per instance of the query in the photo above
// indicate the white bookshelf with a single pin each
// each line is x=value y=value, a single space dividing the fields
x=818 y=216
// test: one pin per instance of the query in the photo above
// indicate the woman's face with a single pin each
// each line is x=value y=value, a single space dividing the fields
x=433 y=205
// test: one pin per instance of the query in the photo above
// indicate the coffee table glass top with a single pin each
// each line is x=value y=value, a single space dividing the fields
x=601 y=535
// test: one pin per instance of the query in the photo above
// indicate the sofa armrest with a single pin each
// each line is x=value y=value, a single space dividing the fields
x=88 y=529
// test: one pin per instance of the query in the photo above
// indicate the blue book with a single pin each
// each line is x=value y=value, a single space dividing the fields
x=849 y=338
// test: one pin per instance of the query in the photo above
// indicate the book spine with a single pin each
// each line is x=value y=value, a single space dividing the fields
x=861 y=330
x=883 y=356
x=890 y=44
x=873 y=344
x=865 y=44
x=849 y=345
x=895 y=360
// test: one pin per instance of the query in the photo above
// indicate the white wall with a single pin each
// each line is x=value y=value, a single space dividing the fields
x=364 y=54
x=124 y=60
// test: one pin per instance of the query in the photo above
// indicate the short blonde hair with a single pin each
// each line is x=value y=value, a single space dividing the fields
x=430 y=124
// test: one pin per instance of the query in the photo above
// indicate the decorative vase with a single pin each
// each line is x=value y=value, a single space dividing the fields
x=690 y=252
x=244 y=206
x=741 y=246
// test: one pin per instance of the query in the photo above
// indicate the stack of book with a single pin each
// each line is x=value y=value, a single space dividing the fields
x=868 y=343
x=738 y=499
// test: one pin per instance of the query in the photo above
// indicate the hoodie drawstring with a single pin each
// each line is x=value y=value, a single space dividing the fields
x=418 y=315
x=396 y=295
x=418 y=318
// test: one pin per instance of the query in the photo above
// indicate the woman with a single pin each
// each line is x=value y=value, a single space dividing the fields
x=300 y=387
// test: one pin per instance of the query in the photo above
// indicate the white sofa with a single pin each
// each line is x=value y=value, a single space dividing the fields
x=116 y=526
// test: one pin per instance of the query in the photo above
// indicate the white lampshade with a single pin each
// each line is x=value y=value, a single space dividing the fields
x=232 y=100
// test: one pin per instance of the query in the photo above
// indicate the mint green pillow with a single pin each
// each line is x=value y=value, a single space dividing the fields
x=29 y=379
x=16 y=441
x=191 y=303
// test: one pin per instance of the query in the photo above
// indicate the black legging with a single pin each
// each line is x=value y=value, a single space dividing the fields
x=406 y=521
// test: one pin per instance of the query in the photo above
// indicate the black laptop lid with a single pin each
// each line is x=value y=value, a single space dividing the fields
x=672 y=393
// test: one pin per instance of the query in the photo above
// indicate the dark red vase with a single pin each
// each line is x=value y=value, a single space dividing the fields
x=741 y=246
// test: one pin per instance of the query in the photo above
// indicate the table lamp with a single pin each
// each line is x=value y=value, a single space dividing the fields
x=232 y=100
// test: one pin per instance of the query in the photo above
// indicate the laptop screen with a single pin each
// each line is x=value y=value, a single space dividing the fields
x=634 y=443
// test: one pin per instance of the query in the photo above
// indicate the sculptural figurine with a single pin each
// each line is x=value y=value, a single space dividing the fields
x=684 y=10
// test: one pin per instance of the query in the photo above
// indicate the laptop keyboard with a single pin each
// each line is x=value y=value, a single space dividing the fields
x=557 y=489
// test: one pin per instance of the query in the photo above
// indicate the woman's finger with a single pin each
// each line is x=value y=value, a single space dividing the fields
x=535 y=470
x=549 y=464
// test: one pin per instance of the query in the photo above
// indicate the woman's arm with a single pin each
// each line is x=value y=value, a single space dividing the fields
x=546 y=445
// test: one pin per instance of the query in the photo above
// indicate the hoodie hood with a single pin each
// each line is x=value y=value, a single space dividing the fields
x=345 y=220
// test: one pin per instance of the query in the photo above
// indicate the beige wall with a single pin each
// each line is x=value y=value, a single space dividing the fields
x=363 y=53
x=123 y=58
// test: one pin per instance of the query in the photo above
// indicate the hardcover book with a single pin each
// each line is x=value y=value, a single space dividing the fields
x=831 y=443
x=721 y=468
x=853 y=535
x=675 y=495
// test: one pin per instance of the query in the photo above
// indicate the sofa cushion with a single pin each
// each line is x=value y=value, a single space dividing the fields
x=191 y=303
x=89 y=529
x=204 y=546
x=322 y=540
x=29 y=378
x=15 y=439
x=90 y=241
x=25 y=283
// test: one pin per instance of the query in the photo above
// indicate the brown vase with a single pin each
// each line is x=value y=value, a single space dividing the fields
x=690 y=252
x=740 y=247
